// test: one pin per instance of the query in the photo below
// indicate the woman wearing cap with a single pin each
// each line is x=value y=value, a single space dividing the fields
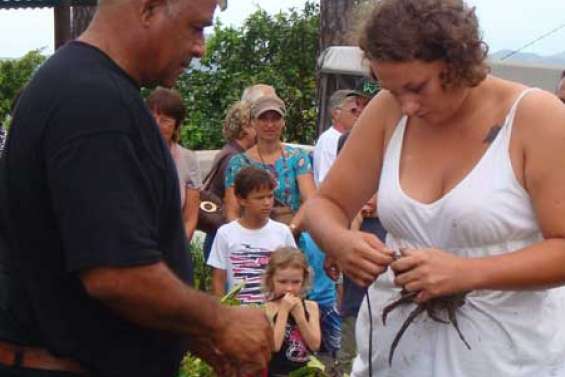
x=470 y=174
x=169 y=111
x=290 y=166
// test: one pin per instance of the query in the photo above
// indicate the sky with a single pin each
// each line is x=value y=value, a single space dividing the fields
x=506 y=24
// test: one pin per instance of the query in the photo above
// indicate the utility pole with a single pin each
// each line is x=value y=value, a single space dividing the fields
x=62 y=14
x=71 y=21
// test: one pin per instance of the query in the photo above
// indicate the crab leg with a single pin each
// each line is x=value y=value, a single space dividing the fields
x=417 y=311
x=405 y=298
x=453 y=320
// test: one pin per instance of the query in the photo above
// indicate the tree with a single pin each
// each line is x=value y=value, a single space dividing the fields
x=337 y=22
x=14 y=74
x=279 y=50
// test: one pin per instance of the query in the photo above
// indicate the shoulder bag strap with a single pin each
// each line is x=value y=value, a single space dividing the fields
x=213 y=172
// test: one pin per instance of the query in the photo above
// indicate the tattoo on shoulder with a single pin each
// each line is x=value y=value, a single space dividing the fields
x=491 y=135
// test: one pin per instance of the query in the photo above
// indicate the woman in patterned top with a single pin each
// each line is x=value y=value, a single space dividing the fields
x=289 y=165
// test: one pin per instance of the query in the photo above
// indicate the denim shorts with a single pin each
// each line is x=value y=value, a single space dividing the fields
x=330 y=323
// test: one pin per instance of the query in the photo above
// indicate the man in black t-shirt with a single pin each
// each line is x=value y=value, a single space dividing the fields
x=93 y=279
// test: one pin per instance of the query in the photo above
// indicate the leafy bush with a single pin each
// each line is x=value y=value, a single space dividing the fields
x=202 y=272
x=14 y=74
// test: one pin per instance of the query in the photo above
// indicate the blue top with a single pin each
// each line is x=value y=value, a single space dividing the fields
x=323 y=289
x=286 y=169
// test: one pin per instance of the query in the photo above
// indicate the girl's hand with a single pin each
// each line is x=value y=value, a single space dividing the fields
x=288 y=302
x=362 y=257
x=298 y=311
x=432 y=273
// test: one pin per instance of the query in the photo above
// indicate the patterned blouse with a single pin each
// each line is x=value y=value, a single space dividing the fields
x=294 y=163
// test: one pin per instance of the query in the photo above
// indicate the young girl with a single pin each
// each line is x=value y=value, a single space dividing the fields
x=296 y=322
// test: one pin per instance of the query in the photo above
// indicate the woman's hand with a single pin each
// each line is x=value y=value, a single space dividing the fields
x=432 y=273
x=361 y=256
x=289 y=302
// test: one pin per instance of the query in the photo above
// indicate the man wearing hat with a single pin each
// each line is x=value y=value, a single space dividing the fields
x=344 y=107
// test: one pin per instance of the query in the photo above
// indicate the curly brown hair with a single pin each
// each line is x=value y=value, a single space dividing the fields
x=428 y=30
x=285 y=257
x=237 y=119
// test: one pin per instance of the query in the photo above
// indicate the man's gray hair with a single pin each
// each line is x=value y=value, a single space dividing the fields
x=254 y=92
x=340 y=97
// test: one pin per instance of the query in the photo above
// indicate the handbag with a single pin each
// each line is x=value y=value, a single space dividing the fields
x=281 y=212
x=211 y=213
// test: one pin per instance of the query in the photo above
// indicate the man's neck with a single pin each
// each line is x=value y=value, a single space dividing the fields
x=252 y=222
x=339 y=128
x=118 y=49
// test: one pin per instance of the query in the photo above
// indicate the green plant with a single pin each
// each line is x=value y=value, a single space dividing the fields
x=14 y=75
x=202 y=272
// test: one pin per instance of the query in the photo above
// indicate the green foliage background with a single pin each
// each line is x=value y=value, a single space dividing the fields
x=279 y=50
x=14 y=74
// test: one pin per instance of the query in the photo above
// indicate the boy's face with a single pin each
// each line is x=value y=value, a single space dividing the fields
x=258 y=203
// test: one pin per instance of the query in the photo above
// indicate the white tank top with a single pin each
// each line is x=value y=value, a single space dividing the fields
x=511 y=333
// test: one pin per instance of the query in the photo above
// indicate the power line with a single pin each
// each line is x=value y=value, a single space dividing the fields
x=552 y=31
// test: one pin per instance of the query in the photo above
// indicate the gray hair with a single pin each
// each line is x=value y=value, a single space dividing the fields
x=340 y=97
x=254 y=92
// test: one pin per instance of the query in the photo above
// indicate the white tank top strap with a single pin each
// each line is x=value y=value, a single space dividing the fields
x=394 y=147
x=509 y=120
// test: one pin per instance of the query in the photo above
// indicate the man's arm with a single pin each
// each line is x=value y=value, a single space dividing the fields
x=216 y=331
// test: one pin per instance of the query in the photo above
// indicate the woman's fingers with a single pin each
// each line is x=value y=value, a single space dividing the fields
x=361 y=279
x=362 y=257
x=365 y=266
x=431 y=272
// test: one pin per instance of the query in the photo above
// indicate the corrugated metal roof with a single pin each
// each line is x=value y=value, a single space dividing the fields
x=7 y=4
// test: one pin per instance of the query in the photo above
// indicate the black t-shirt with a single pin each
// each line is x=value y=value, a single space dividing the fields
x=88 y=181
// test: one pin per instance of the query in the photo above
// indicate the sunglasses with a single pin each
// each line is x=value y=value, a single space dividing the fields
x=353 y=111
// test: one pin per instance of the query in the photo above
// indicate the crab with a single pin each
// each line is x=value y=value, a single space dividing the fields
x=448 y=304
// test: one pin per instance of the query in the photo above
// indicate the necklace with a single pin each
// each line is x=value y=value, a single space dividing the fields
x=285 y=174
x=263 y=160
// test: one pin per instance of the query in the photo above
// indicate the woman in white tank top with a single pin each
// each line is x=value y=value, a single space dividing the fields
x=470 y=171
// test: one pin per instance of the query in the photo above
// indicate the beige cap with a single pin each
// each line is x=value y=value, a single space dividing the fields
x=267 y=103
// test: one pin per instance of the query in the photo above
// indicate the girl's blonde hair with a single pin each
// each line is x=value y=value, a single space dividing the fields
x=285 y=257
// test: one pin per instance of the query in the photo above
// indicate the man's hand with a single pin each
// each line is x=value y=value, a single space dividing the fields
x=244 y=339
x=205 y=349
